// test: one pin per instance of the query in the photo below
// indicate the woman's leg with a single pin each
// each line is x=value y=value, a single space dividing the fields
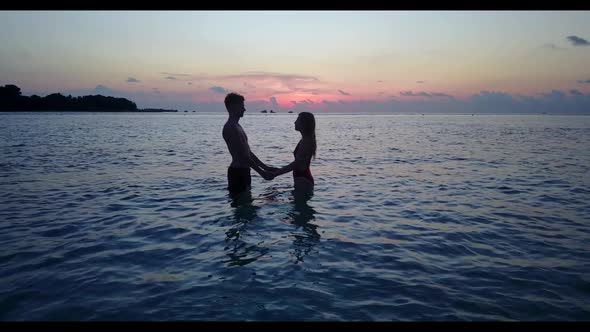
x=302 y=184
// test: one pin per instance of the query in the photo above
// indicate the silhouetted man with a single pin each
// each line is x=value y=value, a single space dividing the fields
x=238 y=173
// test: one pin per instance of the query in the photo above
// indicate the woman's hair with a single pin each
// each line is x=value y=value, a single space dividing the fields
x=308 y=127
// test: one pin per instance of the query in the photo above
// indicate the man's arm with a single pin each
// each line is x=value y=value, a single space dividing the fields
x=253 y=162
x=243 y=151
x=267 y=175
x=260 y=163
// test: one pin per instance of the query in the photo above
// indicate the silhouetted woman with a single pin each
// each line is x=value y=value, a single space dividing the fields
x=305 y=150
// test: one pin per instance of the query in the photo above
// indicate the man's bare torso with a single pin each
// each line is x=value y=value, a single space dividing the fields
x=237 y=143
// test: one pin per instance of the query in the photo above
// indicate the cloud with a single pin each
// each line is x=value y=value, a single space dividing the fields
x=265 y=83
x=294 y=102
x=582 y=81
x=569 y=101
x=439 y=94
x=101 y=88
x=190 y=83
x=186 y=77
x=412 y=94
x=274 y=83
x=258 y=75
x=246 y=78
x=274 y=103
x=554 y=95
x=132 y=80
x=420 y=82
x=578 y=41
x=483 y=102
x=218 y=89
x=344 y=93
x=491 y=97
x=174 y=74
x=306 y=102
x=312 y=91
x=425 y=94
x=106 y=91
x=551 y=46
x=379 y=81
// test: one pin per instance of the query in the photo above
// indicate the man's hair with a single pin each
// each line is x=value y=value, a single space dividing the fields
x=233 y=99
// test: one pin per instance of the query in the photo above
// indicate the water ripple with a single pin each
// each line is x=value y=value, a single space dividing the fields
x=117 y=217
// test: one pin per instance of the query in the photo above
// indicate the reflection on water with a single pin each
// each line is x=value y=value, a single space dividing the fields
x=239 y=251
x=242 y=199
x=242 y=243
x=428 y=218
x=305 y=236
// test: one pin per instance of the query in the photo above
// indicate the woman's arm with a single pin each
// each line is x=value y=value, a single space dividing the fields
x=285 y=169
x=300 y=160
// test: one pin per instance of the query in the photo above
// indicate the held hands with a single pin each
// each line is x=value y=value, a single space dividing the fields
x=268 y=175
x=273 y=170
x=276 y=171
x=271 y=173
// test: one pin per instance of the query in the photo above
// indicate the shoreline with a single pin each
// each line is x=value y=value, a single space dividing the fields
x=294 y=114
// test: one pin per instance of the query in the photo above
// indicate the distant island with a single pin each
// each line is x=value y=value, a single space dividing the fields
x=11 y=100
x=157 y=110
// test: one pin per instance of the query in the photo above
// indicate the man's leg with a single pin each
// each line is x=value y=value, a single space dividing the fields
x=238 y=179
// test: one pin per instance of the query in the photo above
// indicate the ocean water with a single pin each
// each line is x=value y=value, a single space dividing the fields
x=413 y=218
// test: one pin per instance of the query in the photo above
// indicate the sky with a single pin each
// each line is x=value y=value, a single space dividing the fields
x=319 y=61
